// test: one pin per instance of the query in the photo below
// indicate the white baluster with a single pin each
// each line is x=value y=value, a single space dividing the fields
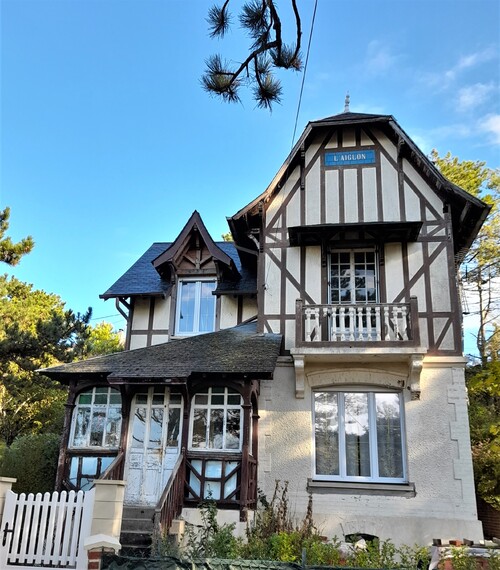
x=359 y=331
x=307 y=325
x=395 y=320
x=369 y=331
x=404 y=315
x=342 y=323
x=387 y=324
x=317 y=335
x=377 y=323
x=329 y=318
x=352 y=322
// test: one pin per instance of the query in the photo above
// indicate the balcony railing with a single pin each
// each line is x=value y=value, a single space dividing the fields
x=386 y=324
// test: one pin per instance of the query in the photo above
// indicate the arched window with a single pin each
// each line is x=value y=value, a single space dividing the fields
x=97 y=419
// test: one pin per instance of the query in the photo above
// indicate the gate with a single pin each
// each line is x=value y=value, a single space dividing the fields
x=46 y=530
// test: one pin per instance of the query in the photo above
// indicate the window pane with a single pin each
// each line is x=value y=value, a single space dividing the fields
x=234 y=400
x=233 y=429
x=216 y=429
x=174 y=420
x=326 y=428
x=155 y=427
x=357 y=439
x=390 y=457
x=81 y=427
x=199 y=428
x=97 y=428
x=85 y=398
x=115 y=397
x=139 y=427
x=201 y=399
x=186 y=315
x=101 y=399
x=113 y=427
x=207 y=306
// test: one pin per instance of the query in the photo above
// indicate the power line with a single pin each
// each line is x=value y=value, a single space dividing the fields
x=305 y=69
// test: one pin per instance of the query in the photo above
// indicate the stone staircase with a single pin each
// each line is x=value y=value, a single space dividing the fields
x=137 y=530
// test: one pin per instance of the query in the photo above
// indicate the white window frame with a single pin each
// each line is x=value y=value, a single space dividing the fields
x=352 y=252
x=373 y=449
x=197 y=301
x=92 y=406
x=209 y=407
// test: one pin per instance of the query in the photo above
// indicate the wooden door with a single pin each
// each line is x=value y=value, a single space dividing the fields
x=153 y=444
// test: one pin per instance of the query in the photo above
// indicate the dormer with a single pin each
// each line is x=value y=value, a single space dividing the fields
x=190 y=286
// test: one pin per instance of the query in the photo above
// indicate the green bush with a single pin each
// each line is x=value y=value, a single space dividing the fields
x=32 y=460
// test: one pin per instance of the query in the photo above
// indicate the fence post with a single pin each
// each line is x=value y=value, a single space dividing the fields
x=5 y=486
x=106 y=521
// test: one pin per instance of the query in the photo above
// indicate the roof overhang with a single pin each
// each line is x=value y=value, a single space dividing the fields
x=377 y=232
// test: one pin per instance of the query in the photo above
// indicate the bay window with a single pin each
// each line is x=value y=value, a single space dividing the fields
x=97 y=419
x=216 y=420
x=358 y=436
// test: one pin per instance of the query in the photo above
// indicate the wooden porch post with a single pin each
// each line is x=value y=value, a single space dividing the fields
x=247 y=418
x=68 y=413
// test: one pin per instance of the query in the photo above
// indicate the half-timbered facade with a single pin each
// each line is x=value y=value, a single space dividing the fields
x=323 y=347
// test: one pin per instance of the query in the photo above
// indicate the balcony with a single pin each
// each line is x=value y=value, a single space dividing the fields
x=383 y=325
x=366 y=334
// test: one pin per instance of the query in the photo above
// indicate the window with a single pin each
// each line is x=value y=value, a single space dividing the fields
x=358 y=436
x=216 y=420
x=97 y=419
x=353 y=277
x=195 y=307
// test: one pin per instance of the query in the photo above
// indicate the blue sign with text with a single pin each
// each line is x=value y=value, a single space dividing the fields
x=343 y=158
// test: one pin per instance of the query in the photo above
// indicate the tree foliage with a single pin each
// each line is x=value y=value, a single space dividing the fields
x=11 y=252
x=481 y=265
x=484 y=416
x=101 y=340
x=268 y=52
x=36 y=331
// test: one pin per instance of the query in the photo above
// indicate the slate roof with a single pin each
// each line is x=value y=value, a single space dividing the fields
x=143 y=279
x=239 y=350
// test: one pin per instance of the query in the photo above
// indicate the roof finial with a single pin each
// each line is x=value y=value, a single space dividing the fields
x=346 y=104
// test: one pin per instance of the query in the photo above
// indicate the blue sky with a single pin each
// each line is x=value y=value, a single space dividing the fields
x=108 y=142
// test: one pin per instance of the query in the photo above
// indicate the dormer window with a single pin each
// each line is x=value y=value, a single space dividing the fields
x=195 y=307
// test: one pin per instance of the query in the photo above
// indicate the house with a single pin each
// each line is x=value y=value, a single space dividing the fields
x=323 y=346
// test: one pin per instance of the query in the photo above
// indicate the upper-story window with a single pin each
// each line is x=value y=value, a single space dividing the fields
x=353 y=277
x=195 y=307
x=97 y=419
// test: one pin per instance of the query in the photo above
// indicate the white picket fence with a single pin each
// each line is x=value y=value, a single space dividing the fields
x=46 y=530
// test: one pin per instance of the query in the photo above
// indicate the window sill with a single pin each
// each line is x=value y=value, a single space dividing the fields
x=353 y=488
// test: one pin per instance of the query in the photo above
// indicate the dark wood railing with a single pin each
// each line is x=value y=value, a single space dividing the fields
x=172 y=499
x=114 y=472
x=385 y=324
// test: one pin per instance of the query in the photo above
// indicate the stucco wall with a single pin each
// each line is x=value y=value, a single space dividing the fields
x=438 y=451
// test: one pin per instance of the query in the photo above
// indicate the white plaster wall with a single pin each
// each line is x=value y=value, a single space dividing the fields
x=390 y=191
x=425 y=190
x=332 y=196
x=387 y=144
x=370 y=209
x=440 y=282
x=249 y=308
x=439 y=462
x=365 y=139
x=228 y=311
x=138 y=341
x=159 y=338
x=313 y=272
x=351 y=195
x=140 y=315
x=393 y=270
x=161 y=316
x=272 y=280
x=313 y=203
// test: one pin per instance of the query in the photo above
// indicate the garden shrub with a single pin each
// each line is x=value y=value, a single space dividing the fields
x=32 y=460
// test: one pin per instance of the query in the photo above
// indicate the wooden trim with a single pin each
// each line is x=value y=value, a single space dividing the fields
x=62 y=462
x=456 y=308
x=151 y=317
